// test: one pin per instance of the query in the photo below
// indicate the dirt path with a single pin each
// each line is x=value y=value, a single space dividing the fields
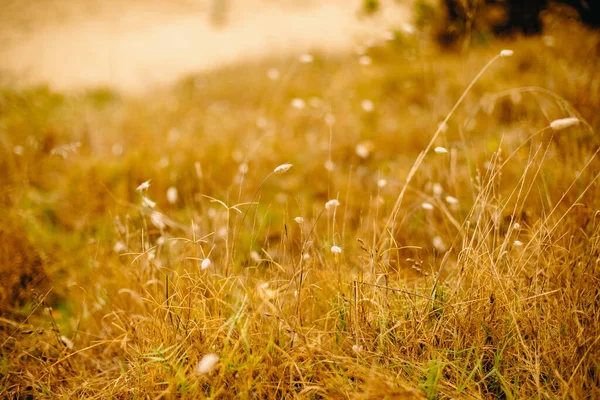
x=134 y=45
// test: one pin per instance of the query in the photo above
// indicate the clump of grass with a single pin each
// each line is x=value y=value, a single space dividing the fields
x=440 y=242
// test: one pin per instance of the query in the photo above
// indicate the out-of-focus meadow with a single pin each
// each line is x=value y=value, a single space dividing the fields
x=380 y=264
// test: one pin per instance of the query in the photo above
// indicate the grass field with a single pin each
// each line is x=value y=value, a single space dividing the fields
x=381 y=264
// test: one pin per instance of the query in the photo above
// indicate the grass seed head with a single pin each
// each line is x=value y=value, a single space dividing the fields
x=144 y=186
x=336 y=250
x=207 y=364
x=332 y=204
x=172 y=195
x=205 y=263
x=441 y=150
x=282 y=168
x=563 y=123
x=506 y=53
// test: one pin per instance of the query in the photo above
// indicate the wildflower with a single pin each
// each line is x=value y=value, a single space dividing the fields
x=439 y=244
x=365 y=60
x=441 y=150
x=172 y=195
x=299 y=220
x=143 y=186
x=506 y=53
x=367 y=105
x=332 y=204
x=205 y=263
x=451 y=200
x=298 y=103
x=381 y=183
x=563 y=123
x=282 y=168
x=427 y=206
x=336 y=250
x=207 y=364
x=306 y=58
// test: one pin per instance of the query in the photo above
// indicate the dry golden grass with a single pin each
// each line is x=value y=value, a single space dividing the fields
x=491 y=292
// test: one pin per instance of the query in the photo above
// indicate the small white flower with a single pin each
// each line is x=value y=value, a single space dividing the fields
x=143 y=186
x=298 y=103
x=282 y=168
x=205 y=263
x=306 y=58
x=147 y=202
x=299 y=220
x=439 y=244
x=305 y=256
x=273 y=74
x=381 y=183
x=336 y=249
x=516 y=226
x=563 y=123
x=367 y=105
x=518 y=243
x=437 y=189
x=332 y=204
x=427 y=206
x=451 y=200
x=365 y=60
x=207 y=364
x=506 y=53
x=441 y=150
x=172 y=195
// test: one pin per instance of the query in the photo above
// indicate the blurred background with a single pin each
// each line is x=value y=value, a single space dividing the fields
x=130 y=45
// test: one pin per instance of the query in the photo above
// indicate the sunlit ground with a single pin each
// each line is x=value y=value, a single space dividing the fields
x=381 y=219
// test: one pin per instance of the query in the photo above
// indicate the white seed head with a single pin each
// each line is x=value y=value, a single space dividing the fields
x=119 y=247
x=332 y=204
x=329 y=165
x=506 y=53
x=381 y=183
x=563 y=123
x=158 y=220
x=143 y=186
x=518 y=243
x=147 y=202
x=205 y=263
x=207 y=364
x=298 y=103
x=299 y=220
x=336 y=249
x=306 y=58
x=367 y=105
x=362 y=150
x=243 y=168
x=451 y=200
x=329 y=119
x=282 y=168
x=516 y=226
x=254 y=256
x=439 y=244
x=273 y=74
x=357 y=348
x=437 y=189
x=305 y=256
x=427 y=206
x=365 y=60
x=172 y=195
x=441 y=150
